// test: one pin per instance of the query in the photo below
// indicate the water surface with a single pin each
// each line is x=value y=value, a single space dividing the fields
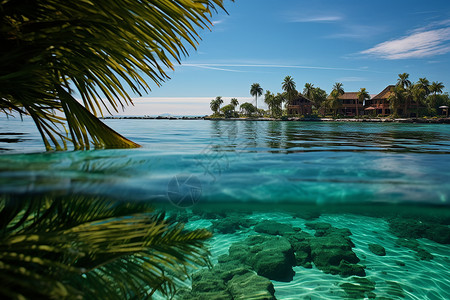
x=272 y=161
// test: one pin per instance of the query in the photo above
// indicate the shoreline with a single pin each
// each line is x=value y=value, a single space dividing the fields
x=296 y=119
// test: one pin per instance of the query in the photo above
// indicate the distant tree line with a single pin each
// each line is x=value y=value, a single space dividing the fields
x=427 y=98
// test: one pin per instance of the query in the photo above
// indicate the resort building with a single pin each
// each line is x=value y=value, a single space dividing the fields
x=300 y=106
x=379 y=105
x=350 y=106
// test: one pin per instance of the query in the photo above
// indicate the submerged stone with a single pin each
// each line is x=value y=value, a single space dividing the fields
x=414 y=245
x=377 y=249
x=359 y=288
x=332 y=253
x=251 y=286
x=231 y=224
x=270 y=256
x=415 y=229
x=274 y=228
x=226 y=281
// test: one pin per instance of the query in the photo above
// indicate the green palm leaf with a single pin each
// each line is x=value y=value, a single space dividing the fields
x=92 y=248
x=52 y=48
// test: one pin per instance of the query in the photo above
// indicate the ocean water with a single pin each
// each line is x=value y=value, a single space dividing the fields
x=387 y=183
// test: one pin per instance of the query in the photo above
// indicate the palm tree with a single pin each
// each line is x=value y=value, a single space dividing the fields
x=269 y=100
x=319 y=97
x=418 y=94
x=425 y=84
x=308 y=90
x=214 y=105
x=235 y=103
x=51 y=50
x=288 y=85
x=436 y=87
x=334 y=102
x=396 y=98
x=256 y=90
x=403 y=80
x=277 y=105
x=92 y=248
x=339 y=88
x=362 y=96
x=219 y=101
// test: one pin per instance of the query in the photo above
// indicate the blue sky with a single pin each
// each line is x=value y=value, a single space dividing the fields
x=359 y=43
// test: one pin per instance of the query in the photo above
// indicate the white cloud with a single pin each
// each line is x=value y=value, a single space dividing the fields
x=217 y=22
x=418 y=44
x=318 y=19
x=205 y=66
x=220 y=66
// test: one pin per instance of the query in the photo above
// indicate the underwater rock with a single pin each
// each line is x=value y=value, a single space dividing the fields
x=307 y=214
x=399 y=263
x=228 y=281
x=208 y=214
x=328 y=253
x=270 y=256
x=415 y=229
x=423 y=254
x=361 y=288
x=186 y=294
x=323 y=229
x=377 y=249
x=407 y=243
x=302 y=250
x=251 y=286
x=231 y=224
x=318 y=225
x=180 y=216
x=346 y=269
x=394 y=289
x=414 y=245
x=274 y=228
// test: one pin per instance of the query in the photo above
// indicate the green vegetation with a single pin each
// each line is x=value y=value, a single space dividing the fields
x=362 y=96
x=256 y=91
x=404 y=99
x=81 y=247
x=288 y=85
x=229 y=111
x=248 y=109
x=215 y=105
x=52 y=49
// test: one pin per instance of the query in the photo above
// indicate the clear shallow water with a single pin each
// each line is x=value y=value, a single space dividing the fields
x=369 y=178
x=242 y=161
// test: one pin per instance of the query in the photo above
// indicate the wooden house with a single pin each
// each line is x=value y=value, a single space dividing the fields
x=300 y=105
x=379 y=105
x=349 y=104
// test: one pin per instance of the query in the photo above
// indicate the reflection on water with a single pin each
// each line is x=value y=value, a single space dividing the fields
x=245 y=161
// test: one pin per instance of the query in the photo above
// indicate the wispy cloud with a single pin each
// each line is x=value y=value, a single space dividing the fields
x=353 y=31
x=217 y=22
x=221 y=67
x=317 y=19
x=423 y=42
x=204 y=66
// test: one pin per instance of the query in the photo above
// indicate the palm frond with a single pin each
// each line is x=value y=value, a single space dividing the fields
x=99 y=49
x=92 y=248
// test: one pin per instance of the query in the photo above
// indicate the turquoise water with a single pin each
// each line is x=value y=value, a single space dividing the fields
x=244 y=161
x=384 y=183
